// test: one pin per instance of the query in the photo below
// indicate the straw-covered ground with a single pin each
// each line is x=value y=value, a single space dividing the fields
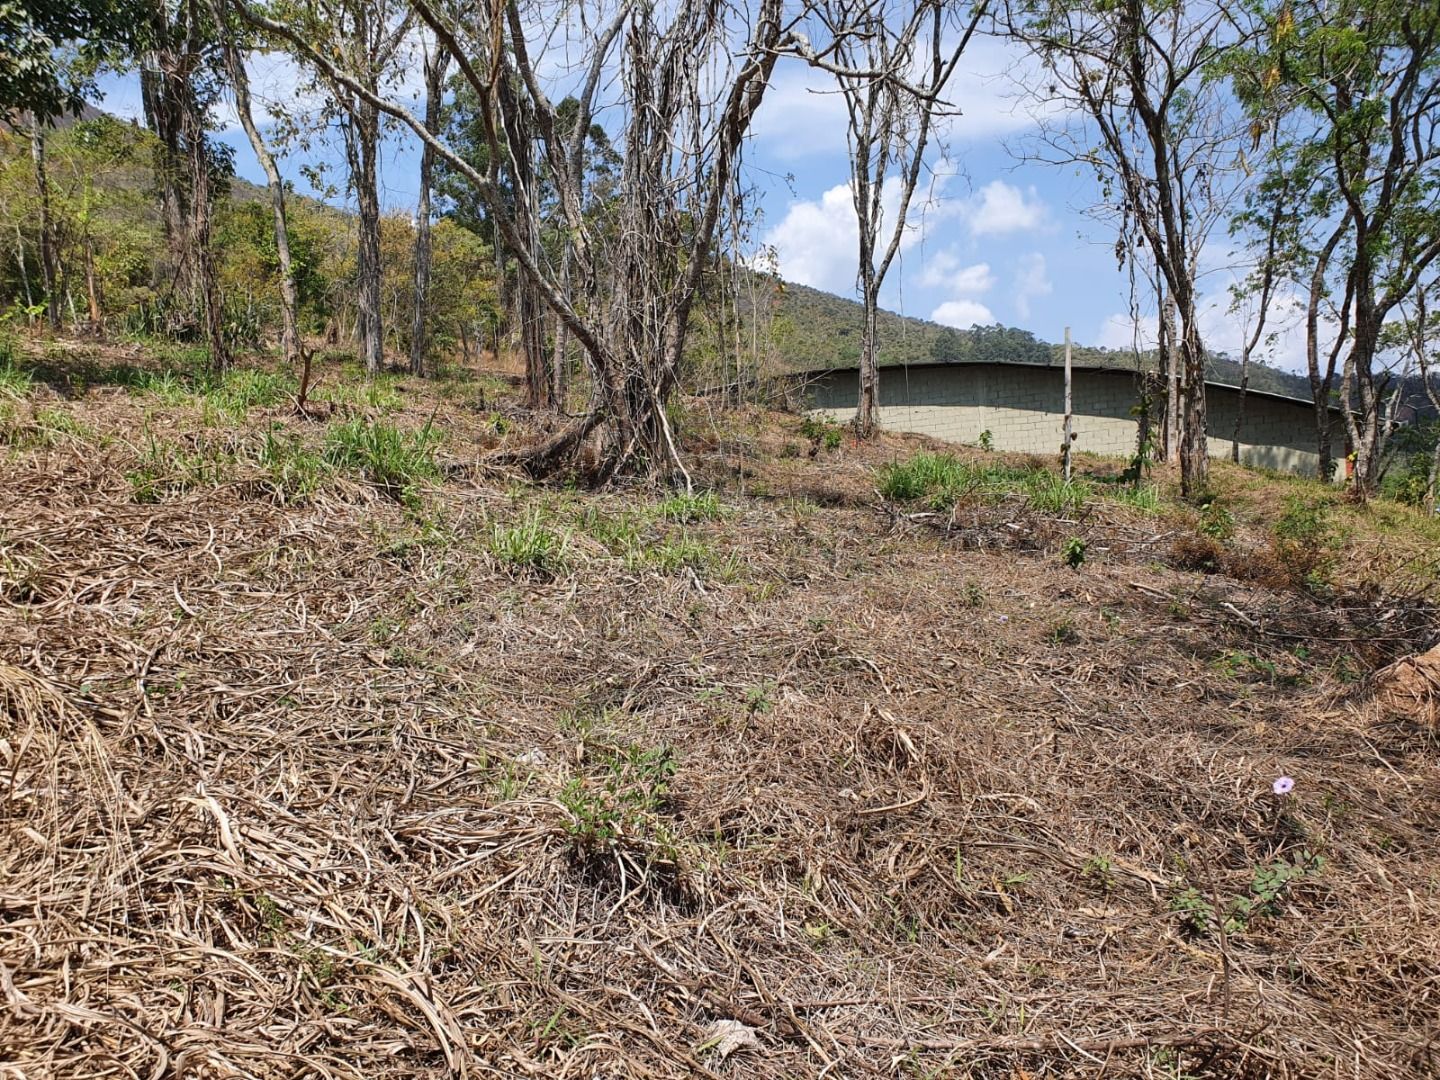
x=330 y=749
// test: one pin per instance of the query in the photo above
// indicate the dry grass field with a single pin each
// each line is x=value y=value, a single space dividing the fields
x=330 y=748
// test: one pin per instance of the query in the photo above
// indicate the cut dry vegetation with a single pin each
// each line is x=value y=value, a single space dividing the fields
x=326 y=749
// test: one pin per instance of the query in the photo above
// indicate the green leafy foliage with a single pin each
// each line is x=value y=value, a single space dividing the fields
x=1269 y=884
x=619 y=799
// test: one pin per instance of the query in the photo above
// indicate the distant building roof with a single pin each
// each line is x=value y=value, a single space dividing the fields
x=1100 y=368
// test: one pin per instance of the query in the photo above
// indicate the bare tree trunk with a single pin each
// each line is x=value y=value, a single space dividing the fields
x=1366 y=430
x=1173 y=380
x=24 y=270
x=867 y=413
x=161 y=84
x=290 y=343
x=369 y=328
x=48 y=254
x=202 y=250
x=1321 y=385
x=1240 y=408
x=1194 y=447
x=559 y=360
x=436 y=65
x=92 y=288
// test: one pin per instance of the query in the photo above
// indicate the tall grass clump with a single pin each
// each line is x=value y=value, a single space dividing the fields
x=925 y=474
x=295 y=472
x=943 y=479
x=237 y=391
x=531 y=546
x=395 y=461
x=14 y=382
x=685 y=508
x=1049 y=493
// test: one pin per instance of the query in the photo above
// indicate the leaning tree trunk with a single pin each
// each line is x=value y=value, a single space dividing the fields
x=290 y=342
x=367 y=196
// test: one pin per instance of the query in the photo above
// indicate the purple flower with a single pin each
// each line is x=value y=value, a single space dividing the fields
x=1284 y=785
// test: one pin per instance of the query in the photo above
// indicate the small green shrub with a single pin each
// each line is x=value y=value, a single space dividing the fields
x=1063 y=632
x=14 y=381
x=1304 y=542
x=1268 y=885
x=987 y=440
x=620 y=802
x=531 y=546
x=822 y=433
x=1216 y=522
x=1073 y=552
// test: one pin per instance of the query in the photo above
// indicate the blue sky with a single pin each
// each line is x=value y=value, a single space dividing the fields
x=996 y=238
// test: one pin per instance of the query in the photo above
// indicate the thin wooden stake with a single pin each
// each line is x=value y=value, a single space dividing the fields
x=1069 y=416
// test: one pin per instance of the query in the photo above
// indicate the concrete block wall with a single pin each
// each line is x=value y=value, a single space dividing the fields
x=1023 y=409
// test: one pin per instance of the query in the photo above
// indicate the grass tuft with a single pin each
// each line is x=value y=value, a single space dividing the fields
x=14 y=382
x=943 y=480
x=686 y=508
x=531 y=546
x=295 y=472
x=395 y=461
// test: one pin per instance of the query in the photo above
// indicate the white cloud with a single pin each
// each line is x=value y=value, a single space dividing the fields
x=1032 y=280
x=815 y=243
x=944 y=270
x=1226 y=331
x=999 y=207
x=803 y=115
x=962 y=314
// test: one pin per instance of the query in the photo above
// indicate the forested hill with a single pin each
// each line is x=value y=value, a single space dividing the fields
x=814 y=329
